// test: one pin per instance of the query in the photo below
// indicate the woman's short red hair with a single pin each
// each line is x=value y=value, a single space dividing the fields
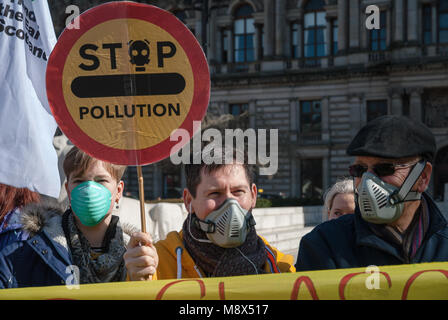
x=12 y=197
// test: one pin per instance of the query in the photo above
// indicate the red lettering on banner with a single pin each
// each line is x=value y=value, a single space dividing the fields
x=309 y=284
x=415 y=276
x=347 y=278
x=222 y=294
x=163 y=290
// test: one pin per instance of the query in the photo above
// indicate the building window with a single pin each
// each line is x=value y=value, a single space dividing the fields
x=427 y=24
x=241 y=112
x=311 y=178
x=294 y=40
x=378 y=36
x=310 y=117
x=443 y=21
x=314 y=29
x=334 y=28
x=244 y=31
x=376 y=108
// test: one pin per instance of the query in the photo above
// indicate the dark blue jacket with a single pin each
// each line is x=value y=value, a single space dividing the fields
x=348 y=242
x=37 y=259
x=37 y=262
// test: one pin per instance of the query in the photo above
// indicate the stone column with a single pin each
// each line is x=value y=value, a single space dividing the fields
x=213 y=36
x=293 y=118
x=258 y=42
x=299 y=177
x=230 y=53
x=388 y=27
x=252 y=114
x=269 y=26
x=357 y=113
x=343 y=25
x=300 y=39
x=354 y=23
x=218 y=47
x=413 y=20
x=294 y=184
x=398 y=31
x=363 y=32
x=396 y=103
x=280 y=19
x=329 y=37
x=415 y=104
x=325 y=118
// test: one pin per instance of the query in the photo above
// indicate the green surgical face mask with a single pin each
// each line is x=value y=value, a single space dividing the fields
x=90 y=201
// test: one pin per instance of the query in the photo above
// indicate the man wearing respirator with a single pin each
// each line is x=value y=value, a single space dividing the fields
x=218 y=237
x=395 y=221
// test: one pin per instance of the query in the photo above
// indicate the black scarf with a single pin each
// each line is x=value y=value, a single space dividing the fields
x=216 y=261
x=107 y=265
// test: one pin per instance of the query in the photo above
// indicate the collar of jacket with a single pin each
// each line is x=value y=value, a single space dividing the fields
x=366 y=237
x=43 y=221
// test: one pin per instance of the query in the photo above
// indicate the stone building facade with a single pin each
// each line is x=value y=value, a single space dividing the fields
x=313 y=70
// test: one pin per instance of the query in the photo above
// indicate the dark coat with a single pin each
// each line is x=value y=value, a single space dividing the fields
x=41 y=258
x=348 y=242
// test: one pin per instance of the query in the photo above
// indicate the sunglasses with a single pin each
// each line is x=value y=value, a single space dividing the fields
x=380 y=169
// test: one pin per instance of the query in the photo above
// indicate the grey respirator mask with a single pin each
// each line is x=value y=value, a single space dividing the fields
x=228 y=225
x=380 y=202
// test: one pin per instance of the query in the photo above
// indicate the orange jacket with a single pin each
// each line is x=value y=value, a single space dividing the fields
x=168 y=254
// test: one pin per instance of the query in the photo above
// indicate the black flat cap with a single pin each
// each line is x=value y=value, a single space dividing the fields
x=393 y=137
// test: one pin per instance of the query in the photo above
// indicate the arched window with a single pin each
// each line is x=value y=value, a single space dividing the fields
x=244 y=32
x=315 y=41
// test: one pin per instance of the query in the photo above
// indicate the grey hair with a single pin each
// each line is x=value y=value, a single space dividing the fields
x=341 y=186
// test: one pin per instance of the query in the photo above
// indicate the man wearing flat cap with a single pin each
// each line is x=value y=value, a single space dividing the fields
x=395 y=221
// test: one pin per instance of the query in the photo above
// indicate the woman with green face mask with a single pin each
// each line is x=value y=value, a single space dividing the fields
x=84 y=244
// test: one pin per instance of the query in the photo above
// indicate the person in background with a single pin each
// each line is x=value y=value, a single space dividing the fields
x=84 y=244
x=12 y=201
x=339 y=199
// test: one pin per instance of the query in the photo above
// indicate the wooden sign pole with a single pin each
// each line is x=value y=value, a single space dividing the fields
x=141 y=193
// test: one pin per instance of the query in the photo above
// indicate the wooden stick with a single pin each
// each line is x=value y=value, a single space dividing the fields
x=141 y=193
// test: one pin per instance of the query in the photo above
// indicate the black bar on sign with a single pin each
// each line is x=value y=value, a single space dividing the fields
x=144 y=84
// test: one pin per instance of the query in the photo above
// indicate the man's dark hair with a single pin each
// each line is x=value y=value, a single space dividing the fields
x=193 y=171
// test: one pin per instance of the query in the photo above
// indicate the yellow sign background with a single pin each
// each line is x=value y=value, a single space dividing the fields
x=127 y=133
x=403 y=282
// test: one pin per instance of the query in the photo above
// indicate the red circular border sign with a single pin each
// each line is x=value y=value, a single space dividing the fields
x=123 y=10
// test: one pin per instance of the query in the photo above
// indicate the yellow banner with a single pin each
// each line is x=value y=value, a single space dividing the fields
x=403 y=282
